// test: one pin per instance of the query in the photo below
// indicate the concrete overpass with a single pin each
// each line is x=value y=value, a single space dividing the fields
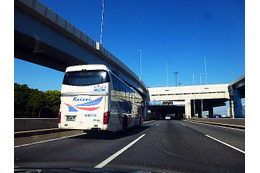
x=237 y=92
x=187 y=100
x=43 y=37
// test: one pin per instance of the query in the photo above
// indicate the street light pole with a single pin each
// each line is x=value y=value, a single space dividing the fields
x=194 y=95
x=176 y=77
x=140 y=64
x=41 y=110
x=167 y=71
x=206 y=71
x=201 y=94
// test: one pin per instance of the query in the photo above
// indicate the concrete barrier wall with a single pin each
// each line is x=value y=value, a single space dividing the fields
x=231 y=121
x=24 y=124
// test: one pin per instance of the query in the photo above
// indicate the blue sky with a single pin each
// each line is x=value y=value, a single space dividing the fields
x=182 y=31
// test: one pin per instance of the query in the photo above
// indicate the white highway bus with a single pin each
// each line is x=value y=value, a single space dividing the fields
x=94 y=98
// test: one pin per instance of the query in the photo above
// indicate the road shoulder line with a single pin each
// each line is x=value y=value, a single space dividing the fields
x=225 y=144
x=49 y=140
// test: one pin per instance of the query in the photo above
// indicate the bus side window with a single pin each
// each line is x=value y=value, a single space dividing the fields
x=115 y=83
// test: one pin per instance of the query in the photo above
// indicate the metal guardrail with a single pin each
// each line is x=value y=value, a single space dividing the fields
x=187 y=84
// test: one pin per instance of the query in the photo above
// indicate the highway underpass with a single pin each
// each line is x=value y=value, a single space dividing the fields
x=180 y=100
x=160 y=110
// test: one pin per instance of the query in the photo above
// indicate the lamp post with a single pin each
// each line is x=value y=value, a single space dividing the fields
x=176 y=77
x=194 y=95
x=167 y=71
x=140 y=64
x=206 y=71
x=201 y=94
x=41 y=110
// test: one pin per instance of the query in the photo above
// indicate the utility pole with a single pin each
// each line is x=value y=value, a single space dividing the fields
x=176 y=77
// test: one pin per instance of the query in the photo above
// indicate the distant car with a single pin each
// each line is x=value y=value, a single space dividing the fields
x=167 y=117
x=217 y=116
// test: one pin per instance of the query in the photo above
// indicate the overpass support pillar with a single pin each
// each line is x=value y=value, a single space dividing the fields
x=145 y=100
x=187 y=108
x=145 y=113
x=236 y=109
x=211 y=113
x=231 y=103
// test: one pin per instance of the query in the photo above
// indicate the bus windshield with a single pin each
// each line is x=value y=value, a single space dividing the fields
x=85 y=78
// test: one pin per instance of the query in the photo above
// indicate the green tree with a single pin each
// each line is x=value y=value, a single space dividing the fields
x=35 y=102
x=30 y=103
x=21 y=95
x=52 y=99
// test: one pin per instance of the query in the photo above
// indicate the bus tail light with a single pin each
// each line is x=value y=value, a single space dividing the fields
x=106 y=117
x=59 y=116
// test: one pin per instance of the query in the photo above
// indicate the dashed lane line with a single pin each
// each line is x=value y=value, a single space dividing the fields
x=109 y=159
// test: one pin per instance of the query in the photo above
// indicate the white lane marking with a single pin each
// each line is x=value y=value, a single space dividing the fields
x=182 y=125
x=49 y=140
x=158 y=124
x=225 y=144
x=148 y=121
x=105 y=162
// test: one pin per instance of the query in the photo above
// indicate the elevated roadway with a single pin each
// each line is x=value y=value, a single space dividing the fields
x=43 y=37
x=188 y=100
x=237 y=92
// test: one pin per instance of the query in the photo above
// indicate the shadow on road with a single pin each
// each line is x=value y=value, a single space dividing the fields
x=110 y=135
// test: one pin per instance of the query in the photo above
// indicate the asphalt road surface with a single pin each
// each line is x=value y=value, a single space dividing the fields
x=158 y=146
